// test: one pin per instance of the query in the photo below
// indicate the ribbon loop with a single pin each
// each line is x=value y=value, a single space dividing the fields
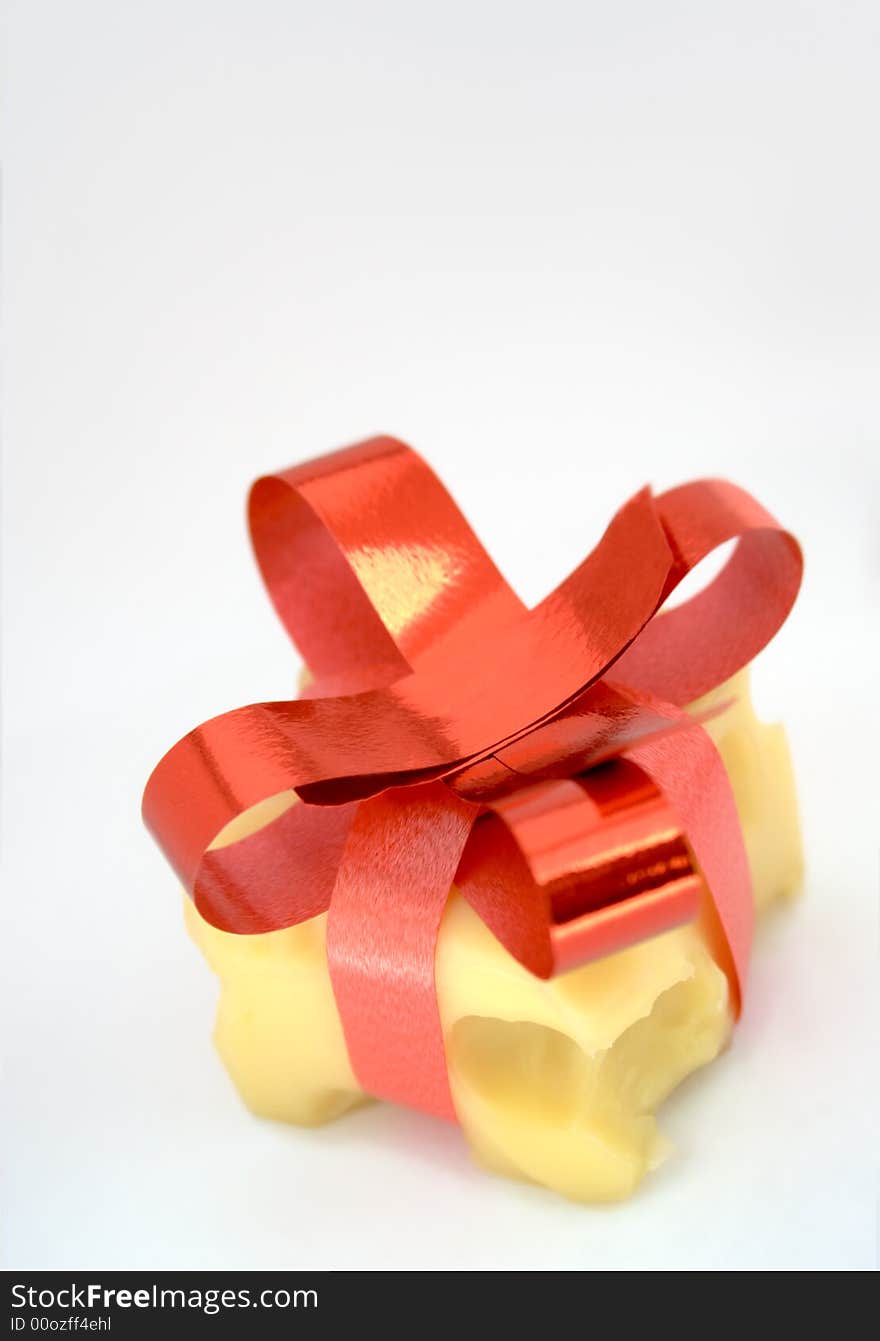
x=586 y=867
x=369 y=562
x=700 y=644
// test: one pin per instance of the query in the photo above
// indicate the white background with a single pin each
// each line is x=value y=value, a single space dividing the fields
x=563 y=249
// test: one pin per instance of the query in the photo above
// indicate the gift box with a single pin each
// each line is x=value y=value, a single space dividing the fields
x=497 y=864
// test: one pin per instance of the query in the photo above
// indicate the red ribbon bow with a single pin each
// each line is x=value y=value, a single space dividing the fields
x=438 y=701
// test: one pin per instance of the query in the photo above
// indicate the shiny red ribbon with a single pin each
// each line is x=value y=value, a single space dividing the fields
x=541 y=759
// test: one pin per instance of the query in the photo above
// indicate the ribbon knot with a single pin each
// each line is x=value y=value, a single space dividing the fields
x=541 y=759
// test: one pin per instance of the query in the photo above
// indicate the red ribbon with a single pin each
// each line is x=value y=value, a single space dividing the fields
x=539 y=758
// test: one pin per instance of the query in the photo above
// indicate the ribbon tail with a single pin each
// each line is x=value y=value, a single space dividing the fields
x=691 y=775
x=393 y=882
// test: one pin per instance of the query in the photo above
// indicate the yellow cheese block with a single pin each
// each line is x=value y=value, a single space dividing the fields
x=556 y=1082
